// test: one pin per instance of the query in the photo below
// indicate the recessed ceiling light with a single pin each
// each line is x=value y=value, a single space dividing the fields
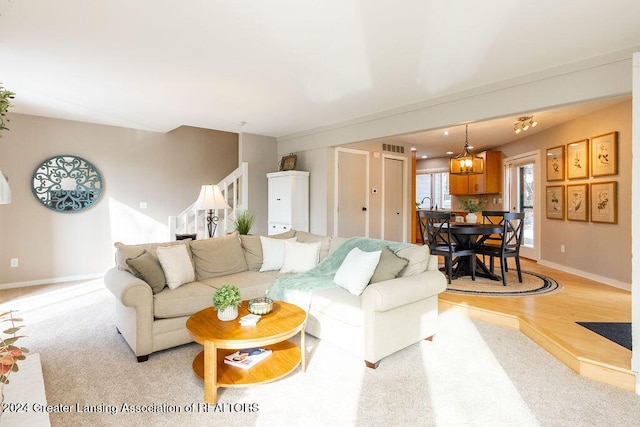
x=414 y=149
x=424 y=157
x=449 y=152
x=446 y=132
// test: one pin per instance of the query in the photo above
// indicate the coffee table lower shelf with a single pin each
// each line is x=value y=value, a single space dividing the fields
x=285 y=358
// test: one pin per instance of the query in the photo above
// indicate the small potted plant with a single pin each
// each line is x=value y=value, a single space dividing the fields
x=243 y=222
x=226 y=300
x=472 y=206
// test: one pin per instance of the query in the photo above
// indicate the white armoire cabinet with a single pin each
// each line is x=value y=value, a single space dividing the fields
x=288 y=201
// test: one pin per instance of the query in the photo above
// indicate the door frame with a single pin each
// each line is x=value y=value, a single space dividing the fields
x=524 y=158
x=405 y=193
x=336 y=187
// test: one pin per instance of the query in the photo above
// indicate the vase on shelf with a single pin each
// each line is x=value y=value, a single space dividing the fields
x=229 y=313
x=472 y=218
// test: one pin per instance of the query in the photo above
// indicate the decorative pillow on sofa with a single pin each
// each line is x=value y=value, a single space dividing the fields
x=300 y=257
x=418 y=257
x=356 y=270
x=218 y=256
x=148 y=268
x=176 y=264
x=253 y=247
x=273 y=253
x=305 y=237
x=125 y=252
x=389 y=267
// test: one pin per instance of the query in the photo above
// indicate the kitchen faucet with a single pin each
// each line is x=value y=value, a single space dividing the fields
x=430 y=202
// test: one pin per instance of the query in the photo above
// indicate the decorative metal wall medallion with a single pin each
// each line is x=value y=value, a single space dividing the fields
x=67 y=184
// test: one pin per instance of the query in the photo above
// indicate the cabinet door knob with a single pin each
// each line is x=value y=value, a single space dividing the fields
x=364 y=208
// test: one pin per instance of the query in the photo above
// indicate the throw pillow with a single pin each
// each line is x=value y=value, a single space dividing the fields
x=305 y=237
x=176 y=264
x=300 y=257
x=147 y=267
x=389 y=267
x=253 y=248
x=273 y=253
x=356 y=270
x=418 y=257
x=218 y=256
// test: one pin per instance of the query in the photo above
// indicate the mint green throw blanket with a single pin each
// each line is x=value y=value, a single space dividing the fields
x=297 y=289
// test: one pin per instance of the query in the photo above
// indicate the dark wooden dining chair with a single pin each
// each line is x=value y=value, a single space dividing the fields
x=509 y=247
x=493 y=218
x=438 y=236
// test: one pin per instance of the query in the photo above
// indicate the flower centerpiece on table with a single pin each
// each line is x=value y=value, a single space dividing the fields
x=472 y=206
x=226 y=300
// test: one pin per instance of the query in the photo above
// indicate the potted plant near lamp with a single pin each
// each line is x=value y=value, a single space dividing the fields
x=243 y=222
x=226 y=300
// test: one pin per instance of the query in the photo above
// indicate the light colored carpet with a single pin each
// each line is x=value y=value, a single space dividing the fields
x=473 y=373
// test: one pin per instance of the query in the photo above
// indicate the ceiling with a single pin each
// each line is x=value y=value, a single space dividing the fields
x=493 y=133
x=287 y=66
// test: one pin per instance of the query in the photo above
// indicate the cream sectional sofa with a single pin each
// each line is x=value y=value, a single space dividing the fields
x=388 y=316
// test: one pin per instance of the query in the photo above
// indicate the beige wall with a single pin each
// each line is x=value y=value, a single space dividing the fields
x=602 y=250
x=260 y=152
x=163 y=170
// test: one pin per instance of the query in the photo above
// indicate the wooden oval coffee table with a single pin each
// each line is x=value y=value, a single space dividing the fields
x=271 y=331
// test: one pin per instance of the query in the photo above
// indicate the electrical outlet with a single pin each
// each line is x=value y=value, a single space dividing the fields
x=14 y=262
x=562 y=248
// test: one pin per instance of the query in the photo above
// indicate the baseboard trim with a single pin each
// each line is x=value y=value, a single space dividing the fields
x=604 y=280
x=51 y=281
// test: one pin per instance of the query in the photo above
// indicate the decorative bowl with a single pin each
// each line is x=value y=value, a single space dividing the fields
x=260 y=305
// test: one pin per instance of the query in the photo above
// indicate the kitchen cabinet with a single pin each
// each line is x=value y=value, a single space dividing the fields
x=488 y=182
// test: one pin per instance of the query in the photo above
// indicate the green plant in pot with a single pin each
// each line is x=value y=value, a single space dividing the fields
x=472 y=206
x=226 y=300
x=243 y=221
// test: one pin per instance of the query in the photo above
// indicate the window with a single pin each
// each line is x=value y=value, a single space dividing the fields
x=434 y=186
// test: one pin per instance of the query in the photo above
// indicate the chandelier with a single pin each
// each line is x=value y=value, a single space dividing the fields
x=466 y=163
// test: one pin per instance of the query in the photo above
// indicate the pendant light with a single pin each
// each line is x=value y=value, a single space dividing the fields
x=466 y=163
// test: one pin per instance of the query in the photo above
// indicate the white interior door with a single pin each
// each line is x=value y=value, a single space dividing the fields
x=523 y=195
x=393 y=200
x=352 y=196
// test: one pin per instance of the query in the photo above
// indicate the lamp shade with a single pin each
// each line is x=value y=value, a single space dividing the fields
x=5 y=190
x=211 y=198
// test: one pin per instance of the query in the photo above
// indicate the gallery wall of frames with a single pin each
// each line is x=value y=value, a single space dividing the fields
x=580 y=184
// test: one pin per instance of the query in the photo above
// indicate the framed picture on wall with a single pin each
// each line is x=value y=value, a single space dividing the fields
x=578 y=159
x=604 y=202
x=555 y=163
x=555 y=202
x=288 y=163
x=578 y=202
x=604 y=154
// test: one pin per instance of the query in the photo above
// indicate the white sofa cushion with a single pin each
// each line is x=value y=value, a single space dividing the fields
x=300 y=257
x=176 y=264
x=273 y=253
x=356 y=270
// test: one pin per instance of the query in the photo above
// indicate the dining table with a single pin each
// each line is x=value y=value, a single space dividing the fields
x=470 y=236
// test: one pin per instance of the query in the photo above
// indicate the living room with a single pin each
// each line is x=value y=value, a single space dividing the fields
x=151 y=175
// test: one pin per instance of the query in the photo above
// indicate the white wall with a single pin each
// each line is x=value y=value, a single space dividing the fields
x=635 y=229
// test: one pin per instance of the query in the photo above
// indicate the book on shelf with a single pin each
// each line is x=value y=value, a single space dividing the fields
x=247 y=357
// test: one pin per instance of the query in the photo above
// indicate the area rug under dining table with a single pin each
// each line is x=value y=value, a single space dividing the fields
x=532 y=284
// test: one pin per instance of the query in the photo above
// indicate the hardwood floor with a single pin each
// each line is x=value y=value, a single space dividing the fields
x=549 y=320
